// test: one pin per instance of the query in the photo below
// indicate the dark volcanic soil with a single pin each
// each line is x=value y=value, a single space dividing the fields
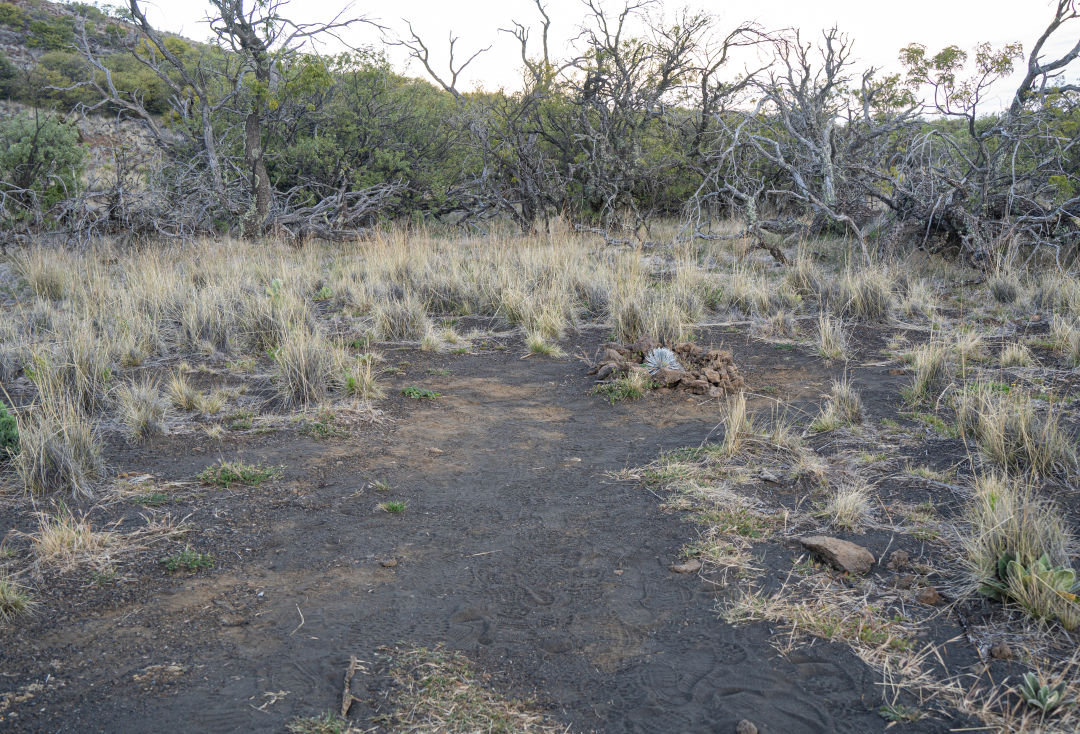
x=516 y=548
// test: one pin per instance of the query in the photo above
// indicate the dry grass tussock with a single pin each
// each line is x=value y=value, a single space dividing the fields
x=1017 y=547
x=832 y=341
x=65 y=541
x=932 y=369
x=140 y=408
x=14 y=599
x=843 y=408
x=437 y=690
x=59 y=448
x=1014 y=433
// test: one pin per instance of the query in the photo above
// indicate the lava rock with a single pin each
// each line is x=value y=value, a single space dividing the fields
x=841 y=554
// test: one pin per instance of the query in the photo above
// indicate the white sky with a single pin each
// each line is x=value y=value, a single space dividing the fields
x=879 y=29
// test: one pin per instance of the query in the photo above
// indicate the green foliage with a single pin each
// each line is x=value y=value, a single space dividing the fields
x=228 y=473
x=188 y=560
x=51 y=34
x=9 y=77
x=420 y=393
x=1040 y=695
x=9 y=433
x=628 y=387
x=1039 y=586
x=41 y=160
x=12 y=16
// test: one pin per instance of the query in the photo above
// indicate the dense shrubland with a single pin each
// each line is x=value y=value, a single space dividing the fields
x=643 y=117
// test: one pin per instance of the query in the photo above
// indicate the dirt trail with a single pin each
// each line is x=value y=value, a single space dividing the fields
x=516 y=548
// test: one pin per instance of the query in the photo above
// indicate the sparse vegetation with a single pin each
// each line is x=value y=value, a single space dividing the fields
x=440 y=690
x=13 y=599
x=187 y=560
x=228 y=473
x=205 y=242
x=140 y=409
x=420 y=393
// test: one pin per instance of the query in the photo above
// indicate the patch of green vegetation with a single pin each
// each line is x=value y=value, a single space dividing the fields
x=379 y=485
x=785 y=347
x=770 y=390
x=394 y=507
x=9 y=433
x=325 y=426
x=420 y=393
x=899 y=713
x=735 y=521
x=935 y=423
x=103 y=578
x=150 y=499
x=241 y=421
x=460 y=350
x=328 y=723
x=188 y=560
x=228 y=473
x=13 y=600
x=324 y=294
x=627 y=387
x=867 y=457
x=242 y=364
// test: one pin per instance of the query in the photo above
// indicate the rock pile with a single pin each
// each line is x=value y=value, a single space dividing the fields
x=704 y=371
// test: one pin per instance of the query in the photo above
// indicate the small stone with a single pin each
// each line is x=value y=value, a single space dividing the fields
x=746 y=727
x=841 y=554
x=388 y=563
x=1001 y=651
x=691 y=566
x=898 y=560
x=713 y=376
x=929 y=596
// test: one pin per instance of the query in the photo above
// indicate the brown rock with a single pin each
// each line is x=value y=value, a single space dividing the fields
x=668 y=378
x=898 y=560
x=388 y=563
x=746 y=727
x=713 y=376
x=842 y=554
x=696 y=386
x=605 y=372
x=929 y=596
x=1001 y=651
x=691 y=566
x=906 y=581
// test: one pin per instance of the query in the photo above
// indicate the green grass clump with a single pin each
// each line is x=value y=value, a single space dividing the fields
x=420 y=393
x=394 y=507
x=9 y=433
x=188 y=560
x=630 y=386
x=228 y=473
x=328 y=723
x=13 y=600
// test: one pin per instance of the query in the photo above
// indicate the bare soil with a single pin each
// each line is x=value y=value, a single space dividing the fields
x=517 y=547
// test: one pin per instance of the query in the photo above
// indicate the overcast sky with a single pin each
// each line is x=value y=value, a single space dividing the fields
x=879 y=29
